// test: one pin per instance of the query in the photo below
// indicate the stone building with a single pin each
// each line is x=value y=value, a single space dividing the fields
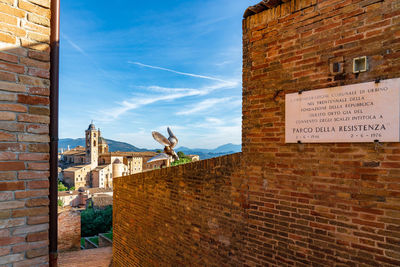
x=77 y=176
x=100 y=165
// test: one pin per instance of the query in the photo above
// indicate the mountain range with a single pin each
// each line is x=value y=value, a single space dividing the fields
x=122 y=146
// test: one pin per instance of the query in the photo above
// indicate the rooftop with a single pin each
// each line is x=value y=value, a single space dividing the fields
x=76 y=168
x=132 y=154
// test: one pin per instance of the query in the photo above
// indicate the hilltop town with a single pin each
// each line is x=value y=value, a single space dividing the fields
x=88 y=171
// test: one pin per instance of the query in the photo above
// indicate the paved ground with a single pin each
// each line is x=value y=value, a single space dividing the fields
x=97 y=257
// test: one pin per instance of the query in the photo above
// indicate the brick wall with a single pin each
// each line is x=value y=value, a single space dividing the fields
x=318 y=204
x=280 y=204
x=24 y=131
x=181 y=216
x=69 y=230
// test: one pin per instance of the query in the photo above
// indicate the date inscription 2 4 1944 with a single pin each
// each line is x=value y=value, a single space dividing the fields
x=363 y=112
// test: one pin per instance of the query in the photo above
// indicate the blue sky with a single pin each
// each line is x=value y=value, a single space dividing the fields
x=137 y=66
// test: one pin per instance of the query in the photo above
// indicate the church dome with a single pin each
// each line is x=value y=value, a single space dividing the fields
x=117 y=161
x=91 y=127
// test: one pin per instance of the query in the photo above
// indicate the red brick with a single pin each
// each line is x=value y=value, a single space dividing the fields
x=31 y=193
x=4 y=196
x=13 y=87
x=34 y=138
x=39 y=91
x=34 y=118
x=350 y=39
x=12 y=67
x=38 y=184
x=37 y=202
x=4 y=241
x=29 y=212
x=11 y=186
x=7 y=116
x=8 y=155
x=35 y=110
x=28 y=246
x=12 y=166
x=13 y=107
x=38 y=219
x=7 y=137
x=33 y=100
x=37 y=252
x=39 y=148
x=33 y=237
x=30 y=175
x=38 y=129
x=39 y=56
x=38 y=166
x=7 y=76
x=39 y=73
x=11 y=126
x=8 y=176
x=34 y=156
x=8 y=57
x=35 y=63
x=12 y=147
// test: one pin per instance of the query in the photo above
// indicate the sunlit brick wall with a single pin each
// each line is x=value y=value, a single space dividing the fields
x=318 y=204
x=280 y=204
x=24 y=131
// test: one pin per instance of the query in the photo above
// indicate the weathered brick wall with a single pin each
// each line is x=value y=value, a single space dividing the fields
x=24 y=131
x=69 y=230
x=281 y=204
x=181 y=216
x=318 y=204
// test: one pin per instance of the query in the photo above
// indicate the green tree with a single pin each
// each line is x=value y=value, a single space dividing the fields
x=181 y=155
x=94 y=222
x=181 y=161
x=60 y=203
x=62 y=187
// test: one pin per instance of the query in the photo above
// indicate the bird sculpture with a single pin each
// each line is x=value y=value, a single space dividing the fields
x=169 y=144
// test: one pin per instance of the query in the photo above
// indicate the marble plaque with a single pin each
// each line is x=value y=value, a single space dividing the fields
x=362 y=112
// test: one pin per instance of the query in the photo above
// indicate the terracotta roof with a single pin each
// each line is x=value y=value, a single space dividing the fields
x=100 y=167
x=263 y=5
x=97 y=190
x=78 y=149
x=75 y=168
x=68 y=193
x=131 y=154
x=102 y=200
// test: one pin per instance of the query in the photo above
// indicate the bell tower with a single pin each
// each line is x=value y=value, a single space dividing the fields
x=92 y=146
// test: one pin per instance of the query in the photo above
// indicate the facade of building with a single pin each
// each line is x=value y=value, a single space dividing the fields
x=94 y=166
x=77 y=176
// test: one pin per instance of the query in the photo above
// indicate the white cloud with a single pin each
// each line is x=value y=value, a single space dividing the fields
x=183 y=73
x=170 y=94
x=203 y=105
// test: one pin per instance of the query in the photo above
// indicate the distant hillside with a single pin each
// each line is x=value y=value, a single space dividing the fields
x=112 y=144
x=211 y=153
x=121 y=146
